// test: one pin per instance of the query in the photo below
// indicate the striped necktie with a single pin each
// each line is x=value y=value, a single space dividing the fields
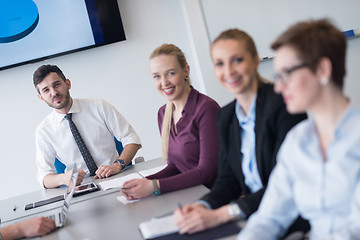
x=82 y=147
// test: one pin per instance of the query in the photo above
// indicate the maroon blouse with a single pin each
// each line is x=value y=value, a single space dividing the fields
x=193 y=152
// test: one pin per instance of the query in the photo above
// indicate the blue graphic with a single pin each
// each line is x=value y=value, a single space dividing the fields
x=18 y=18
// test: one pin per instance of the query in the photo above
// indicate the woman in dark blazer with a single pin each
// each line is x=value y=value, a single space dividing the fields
x=250 y=129
x=271 y=125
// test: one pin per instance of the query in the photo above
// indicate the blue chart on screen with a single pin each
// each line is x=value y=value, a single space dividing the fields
x=18 y=18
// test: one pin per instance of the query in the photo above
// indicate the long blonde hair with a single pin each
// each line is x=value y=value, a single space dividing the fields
x=169 y=50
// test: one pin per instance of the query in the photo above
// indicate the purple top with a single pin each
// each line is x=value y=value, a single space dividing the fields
x=193 y=152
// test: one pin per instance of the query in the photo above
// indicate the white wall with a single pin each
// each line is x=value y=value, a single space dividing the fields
x=119 y=73
x=264 y=20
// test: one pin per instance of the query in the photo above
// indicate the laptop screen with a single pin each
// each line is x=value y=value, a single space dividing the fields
x=70 y=189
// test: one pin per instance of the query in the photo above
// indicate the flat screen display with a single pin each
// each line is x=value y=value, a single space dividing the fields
x=34 y=30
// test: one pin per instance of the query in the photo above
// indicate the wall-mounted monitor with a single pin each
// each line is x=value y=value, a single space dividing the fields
x=34 y=30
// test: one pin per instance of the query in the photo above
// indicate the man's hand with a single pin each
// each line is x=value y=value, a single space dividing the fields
x=53 y=180
x=106 y=171
x=81 y=176
x=38 y=226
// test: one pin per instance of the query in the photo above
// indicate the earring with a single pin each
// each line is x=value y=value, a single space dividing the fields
x=186 y=78
x=324 y=81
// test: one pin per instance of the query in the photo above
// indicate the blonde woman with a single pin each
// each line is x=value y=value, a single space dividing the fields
x=188 y=128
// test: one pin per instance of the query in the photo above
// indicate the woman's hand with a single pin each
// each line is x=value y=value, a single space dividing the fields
x=137 y=188
x=195 y=218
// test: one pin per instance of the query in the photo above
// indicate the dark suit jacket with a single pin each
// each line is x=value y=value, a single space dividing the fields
x=271 y=125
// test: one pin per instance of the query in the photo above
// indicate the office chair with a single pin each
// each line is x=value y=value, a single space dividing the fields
x=60 y=167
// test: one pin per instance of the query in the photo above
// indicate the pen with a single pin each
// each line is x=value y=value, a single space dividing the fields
x=181 y=208
x=267 y=58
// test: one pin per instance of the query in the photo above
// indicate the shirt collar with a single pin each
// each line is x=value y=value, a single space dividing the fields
x=344 y=118
x=242 y=118
x=340 y=125
x=75 y=108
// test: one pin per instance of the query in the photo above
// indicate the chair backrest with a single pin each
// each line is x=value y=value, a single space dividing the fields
x=60 y=167
x=119 y=146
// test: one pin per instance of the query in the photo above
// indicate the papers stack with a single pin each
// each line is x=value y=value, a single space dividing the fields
x=158 y=227
x=119 y=182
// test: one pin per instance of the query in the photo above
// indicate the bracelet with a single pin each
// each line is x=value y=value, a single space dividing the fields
x=156 y=191
x=235 y=211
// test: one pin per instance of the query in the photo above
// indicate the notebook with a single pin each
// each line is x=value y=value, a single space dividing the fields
x=158 y=227
x=60 y=215
x=164 y=228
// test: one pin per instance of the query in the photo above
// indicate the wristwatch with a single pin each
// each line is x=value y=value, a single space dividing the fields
x=121 y=162
x=235 y=211
x=156 y=191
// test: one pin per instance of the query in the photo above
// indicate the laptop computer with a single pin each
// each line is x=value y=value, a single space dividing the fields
x=59 y=216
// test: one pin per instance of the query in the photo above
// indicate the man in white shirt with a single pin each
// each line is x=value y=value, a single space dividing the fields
x=97 y=121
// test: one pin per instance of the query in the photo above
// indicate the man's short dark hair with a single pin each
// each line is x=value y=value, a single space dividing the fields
x=45 y=70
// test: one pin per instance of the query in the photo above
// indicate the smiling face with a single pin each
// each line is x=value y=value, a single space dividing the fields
x=302 y=88
x=169 y=77
x=55 y=92
x=235 y=67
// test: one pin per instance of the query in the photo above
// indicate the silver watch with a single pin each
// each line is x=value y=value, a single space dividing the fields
x=235 y=211
x=121 y=162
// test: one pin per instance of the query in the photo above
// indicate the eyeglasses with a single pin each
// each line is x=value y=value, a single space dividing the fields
x=283 y=77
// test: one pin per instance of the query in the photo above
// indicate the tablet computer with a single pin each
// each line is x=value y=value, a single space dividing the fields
x=85 y=188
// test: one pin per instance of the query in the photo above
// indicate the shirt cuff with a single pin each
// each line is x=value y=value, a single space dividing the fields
x=243 y=215
x=204 y=203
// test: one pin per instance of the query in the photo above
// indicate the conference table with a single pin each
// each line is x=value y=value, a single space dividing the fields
x=100 y=215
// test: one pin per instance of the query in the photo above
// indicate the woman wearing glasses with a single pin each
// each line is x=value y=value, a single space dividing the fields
x=318 y=168
x=251 y=130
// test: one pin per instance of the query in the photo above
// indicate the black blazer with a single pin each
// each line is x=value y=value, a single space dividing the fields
x=271 y=125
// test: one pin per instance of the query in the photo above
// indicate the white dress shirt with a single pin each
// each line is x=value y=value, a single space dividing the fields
x=327 y=193
x=98 y=123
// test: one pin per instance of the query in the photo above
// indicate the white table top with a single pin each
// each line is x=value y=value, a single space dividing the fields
x=99 y=215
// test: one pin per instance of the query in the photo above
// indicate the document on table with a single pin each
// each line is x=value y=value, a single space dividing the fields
x=158 y=227
x=151 y=171
x=118 y=182
x=123 y=200
x=219 y=232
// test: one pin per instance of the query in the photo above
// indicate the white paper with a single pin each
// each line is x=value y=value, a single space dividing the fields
x=119 y=182
x=158 y=227
x=123 y=200
x=151 y=171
